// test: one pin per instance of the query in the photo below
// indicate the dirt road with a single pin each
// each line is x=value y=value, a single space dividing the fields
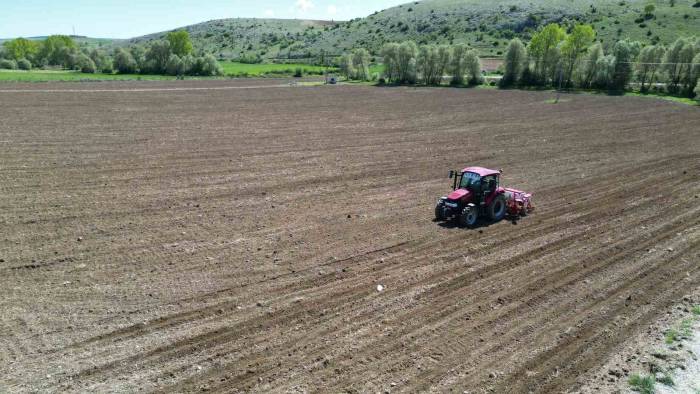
x=233 y=239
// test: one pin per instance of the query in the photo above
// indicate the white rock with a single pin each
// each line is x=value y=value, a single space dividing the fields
x=380 y=288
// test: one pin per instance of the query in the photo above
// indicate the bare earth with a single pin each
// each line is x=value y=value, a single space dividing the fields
x=233 y=239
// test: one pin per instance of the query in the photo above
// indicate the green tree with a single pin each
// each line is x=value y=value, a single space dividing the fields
x=649 y=10
x=124 y=62
x=7 y=64
x=21 y=48
x=679 y=57
x=444 y=54
x=85 y=64
x=347 y=67
x=56 y=49
x=139 y=54
x=180 y=43
x=427 y=64
x=390 y=58
x=589 y=68
x=458 y=67
x=209 y=66
x=624 y=53
x=473 y=67
x=24 y=64
x=515 y=62
x=605 y=72
x=188 y=63
x=360 y=61
x=544 y=50
x=407 y=62
x=157 y=57
x=649 y=63
x=102 y=61
x=175 y=66
x=694 y=76
x=574 y=47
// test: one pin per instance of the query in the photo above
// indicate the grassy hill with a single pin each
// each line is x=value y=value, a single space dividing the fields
x=485 y=25
x=249 y=38
x=488 y=25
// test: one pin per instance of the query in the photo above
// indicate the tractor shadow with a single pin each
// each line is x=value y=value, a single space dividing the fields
x=482 y=223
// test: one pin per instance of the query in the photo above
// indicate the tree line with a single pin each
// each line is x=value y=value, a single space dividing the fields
x=573 y=59
x=554 y=57
x=407 y=63
x=173 y=55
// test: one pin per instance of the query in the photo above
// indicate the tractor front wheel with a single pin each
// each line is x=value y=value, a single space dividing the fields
x=439 y=212
x=468 y=217
x=497 y=209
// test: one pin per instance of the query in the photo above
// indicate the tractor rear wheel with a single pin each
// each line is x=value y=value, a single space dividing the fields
x=497 y=209
x=468 y=217
x=439 y=212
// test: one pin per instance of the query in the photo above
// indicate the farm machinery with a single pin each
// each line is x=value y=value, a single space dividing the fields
x=476 y=192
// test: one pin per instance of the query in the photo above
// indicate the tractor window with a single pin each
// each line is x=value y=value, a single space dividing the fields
x=490 y=183
x=470 y=180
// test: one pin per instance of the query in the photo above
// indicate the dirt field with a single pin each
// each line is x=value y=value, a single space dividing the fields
x=233 y=239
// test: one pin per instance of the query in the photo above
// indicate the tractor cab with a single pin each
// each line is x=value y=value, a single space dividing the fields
x=480 y=184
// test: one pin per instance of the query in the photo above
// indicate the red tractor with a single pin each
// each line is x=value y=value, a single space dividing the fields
x=477 y=192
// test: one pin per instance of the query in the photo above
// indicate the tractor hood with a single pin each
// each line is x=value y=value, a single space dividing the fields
x=459 y=194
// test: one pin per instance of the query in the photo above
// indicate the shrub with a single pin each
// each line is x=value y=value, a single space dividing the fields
x=207 y=66
x=107 y=68
x=642 y=384
x=86 y=64
x=175 y=66
x=124 y=62
x=298 y=72
x=24 y=64
x=8 y=64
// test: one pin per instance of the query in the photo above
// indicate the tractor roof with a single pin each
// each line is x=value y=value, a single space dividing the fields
x=481 y=171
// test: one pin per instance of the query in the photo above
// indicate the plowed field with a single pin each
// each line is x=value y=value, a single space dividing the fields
x=230 y=236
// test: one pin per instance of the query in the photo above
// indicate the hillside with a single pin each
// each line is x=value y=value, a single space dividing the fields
x=484 y=25
x=250 y=37
x=489 y=25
